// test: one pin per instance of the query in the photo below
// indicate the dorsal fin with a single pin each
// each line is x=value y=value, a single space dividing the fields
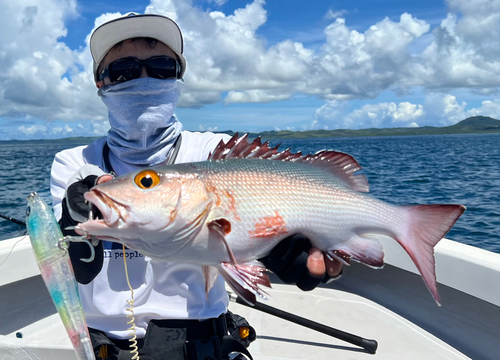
x=340 y=164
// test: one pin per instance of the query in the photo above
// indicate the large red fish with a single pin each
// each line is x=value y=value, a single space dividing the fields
x=227 y=212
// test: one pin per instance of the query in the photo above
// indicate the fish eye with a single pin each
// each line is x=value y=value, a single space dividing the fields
x=28 y=211
x=147 y=179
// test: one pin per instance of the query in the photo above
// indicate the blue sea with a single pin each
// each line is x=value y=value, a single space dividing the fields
x=459 y=169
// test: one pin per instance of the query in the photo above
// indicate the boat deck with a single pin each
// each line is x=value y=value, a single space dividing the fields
x=391 y=305
x=397 y=337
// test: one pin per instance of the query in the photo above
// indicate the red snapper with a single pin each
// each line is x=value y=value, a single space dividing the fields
x=227 y=212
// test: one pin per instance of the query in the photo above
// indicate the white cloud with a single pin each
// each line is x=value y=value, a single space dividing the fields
x=207 y=128
x=407 y=111
x=443 y=109
x=36 y=64
x=332 y=14
x=56 y=129
x=218 y=2
x=388 y=114
x=488 y=108
x=225 y=54
x=437 y=110
x=465 y=51
x=229 y=60
x=33 y=129
x=256 y=96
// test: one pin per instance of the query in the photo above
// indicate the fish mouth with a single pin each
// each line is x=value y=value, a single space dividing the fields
x=112 y=211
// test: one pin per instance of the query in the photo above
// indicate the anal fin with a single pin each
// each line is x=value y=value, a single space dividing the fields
x=365 y=250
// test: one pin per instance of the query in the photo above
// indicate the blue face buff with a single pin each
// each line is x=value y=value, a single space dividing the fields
x=141 y=115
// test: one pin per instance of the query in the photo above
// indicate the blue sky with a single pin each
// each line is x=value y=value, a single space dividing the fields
x=255 y=65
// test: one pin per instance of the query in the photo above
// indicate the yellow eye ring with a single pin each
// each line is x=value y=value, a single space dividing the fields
x=147 y=179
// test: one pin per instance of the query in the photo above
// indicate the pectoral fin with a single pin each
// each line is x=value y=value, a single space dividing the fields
x=245 y=279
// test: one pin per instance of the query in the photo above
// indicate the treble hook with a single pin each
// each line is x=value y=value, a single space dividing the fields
x=82 y=238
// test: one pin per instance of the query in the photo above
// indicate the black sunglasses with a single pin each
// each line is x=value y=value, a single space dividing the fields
x=129 y=68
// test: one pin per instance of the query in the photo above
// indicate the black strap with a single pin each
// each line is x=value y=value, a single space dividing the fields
x=176 y=340
x=171 y=159
x=105 y=156
x=214 y=348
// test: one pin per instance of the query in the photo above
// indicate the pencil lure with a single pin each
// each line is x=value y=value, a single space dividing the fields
x=57 y=272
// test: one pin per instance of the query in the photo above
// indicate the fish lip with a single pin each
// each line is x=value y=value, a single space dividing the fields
x=111 y=213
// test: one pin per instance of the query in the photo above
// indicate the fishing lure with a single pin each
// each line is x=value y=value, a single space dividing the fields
x=50 y=248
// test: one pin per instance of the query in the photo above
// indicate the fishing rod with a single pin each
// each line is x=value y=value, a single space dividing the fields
x=15 y=221
x=367 y=344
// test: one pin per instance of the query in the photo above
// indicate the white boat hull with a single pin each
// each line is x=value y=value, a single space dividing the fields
x=391 y=305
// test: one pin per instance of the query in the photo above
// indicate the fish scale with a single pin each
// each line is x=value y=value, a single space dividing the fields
x=297 y=190
x=227 y=212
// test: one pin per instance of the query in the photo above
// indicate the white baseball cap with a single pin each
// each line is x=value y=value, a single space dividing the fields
x=133 y=25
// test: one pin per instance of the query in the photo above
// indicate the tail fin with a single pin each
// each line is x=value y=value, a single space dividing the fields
x=427 y=225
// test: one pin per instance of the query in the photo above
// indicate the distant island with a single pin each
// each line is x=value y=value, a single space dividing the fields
x=472 y=125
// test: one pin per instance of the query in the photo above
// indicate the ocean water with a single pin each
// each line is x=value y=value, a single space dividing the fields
x=459 y=169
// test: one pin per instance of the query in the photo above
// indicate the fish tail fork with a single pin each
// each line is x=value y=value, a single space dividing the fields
x=427 y=226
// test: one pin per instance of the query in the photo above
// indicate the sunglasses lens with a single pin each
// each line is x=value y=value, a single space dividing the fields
x=124 y=70
x=159 y=67
x=162 y=68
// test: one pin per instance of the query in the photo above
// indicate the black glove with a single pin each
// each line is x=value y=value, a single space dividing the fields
x=78 y=207
x=75 y=209
x=288 y=260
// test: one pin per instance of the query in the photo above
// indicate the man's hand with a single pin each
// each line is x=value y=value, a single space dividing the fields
x=82 y=181
x=75 y=209
x=295 y=261
x=318 y=264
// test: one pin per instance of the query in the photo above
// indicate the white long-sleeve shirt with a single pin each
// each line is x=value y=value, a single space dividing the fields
x=161 y=290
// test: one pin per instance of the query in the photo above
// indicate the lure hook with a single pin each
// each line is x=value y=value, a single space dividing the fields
x=82 y=238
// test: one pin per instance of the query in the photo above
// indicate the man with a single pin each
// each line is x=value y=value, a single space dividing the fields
x=138 y=69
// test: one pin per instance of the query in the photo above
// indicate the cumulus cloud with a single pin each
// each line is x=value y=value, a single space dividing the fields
x=41 y=75
x=437 y=110
x=465 y=51
x=333 y=14
x=229 y=56
x=218 y=2
x=444 y=109
x=380 y=115
x=230 y=61
x=207 y=128
x=256 y=96
x=39 y=129
x=33 y=129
